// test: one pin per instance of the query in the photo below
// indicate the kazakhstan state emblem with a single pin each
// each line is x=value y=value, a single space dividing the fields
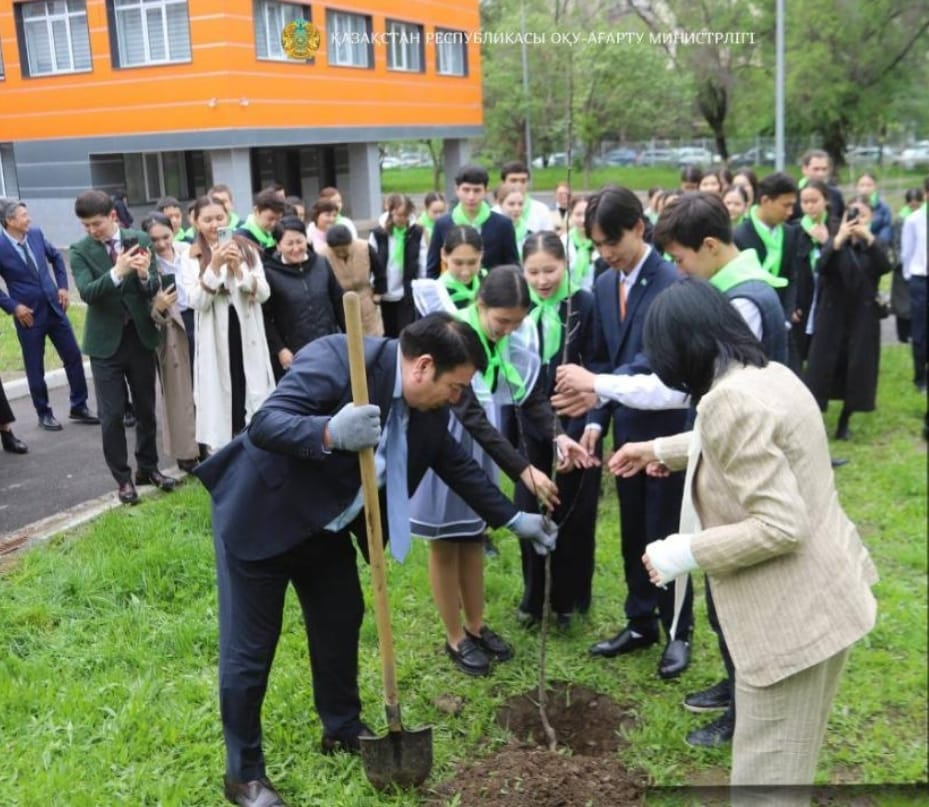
x=300 y=39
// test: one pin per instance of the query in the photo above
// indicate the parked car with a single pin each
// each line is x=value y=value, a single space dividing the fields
x=914 y=156
x=557 y=160
x=756 y=155
x=619 y=156
x=694 y=155
x=391 y=162
x=870 y=155
x=657 y=157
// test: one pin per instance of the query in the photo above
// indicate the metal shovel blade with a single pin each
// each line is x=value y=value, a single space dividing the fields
x=402 y=758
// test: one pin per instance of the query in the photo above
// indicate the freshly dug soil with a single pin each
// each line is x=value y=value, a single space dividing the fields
x=585 y=771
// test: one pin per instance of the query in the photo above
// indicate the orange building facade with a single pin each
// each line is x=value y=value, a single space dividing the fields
x=166 y=97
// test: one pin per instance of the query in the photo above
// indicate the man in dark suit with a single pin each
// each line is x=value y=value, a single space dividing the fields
x=297 y=460
x=472 y=209
x=776 y=243
x=116 y=274
x=38 y=304
x=649 y=507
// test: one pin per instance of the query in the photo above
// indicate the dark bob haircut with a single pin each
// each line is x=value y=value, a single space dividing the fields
x=450 y=341
x=693 y=217
x=692 y=333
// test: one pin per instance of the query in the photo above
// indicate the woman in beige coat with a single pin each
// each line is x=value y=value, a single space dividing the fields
x=172 y=356
x=791 y=578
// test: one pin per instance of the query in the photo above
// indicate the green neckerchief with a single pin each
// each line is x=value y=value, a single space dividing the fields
x=548 y=311
x=904 y=212
x=459 y=216
x=399 y=236
x=743 y=268
x=807 y=224
x=583 y=249
x=521 y=231
x=184 y=235
x=651 y=215
x=773 y=242
x=460 y=292
x=802 y=183
x=495 y=360
x=426 y=223
x=874 y=200
x=263 y=238
x=234 y=220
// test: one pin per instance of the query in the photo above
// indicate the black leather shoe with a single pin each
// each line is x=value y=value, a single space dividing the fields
x=83 y=415
x=492 y=644
x=675 y=659
x=156 y=478
x=718 y=696
x=714 y=734
x=188 y=466
x=128 y=494
x=48 y=422
x=12 y=444
x=626 y=641
x=347 y=743
x=257 y=793
x=469 y=657
x=838 y=462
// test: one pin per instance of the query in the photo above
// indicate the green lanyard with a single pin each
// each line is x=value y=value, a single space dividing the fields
x=495 y=361
x=459 y=216
x=548 y=312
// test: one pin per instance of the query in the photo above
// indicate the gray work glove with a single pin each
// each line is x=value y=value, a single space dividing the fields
x=543 y=533
x=353 y=428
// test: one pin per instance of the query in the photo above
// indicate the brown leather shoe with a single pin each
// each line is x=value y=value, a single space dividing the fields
x=128 y=494
x=256 y=793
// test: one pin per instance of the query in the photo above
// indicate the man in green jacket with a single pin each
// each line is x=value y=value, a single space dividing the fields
x=116 y=274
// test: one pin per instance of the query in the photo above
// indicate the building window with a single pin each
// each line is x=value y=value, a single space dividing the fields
x=349 y=39
x=150 y=32
x=270 y=20
x=154 y=174
x=53 y=37
x=450 y=56
x=404 y=46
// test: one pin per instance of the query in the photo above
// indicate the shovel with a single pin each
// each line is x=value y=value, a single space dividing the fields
x=403 y=757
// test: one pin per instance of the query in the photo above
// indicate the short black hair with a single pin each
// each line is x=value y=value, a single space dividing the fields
x=614 y=210
x=913 y=195
x=450 y=341
x=777 y=184
x=691 y=174
x=693 y=217
x=513 y=167
x=93 y=203
x=472 y=175
x=165 y=202
x=294 y=223
x=338 y=235
x=692 y=332
x=269 y=200
x=545 y=241
x=820 y=186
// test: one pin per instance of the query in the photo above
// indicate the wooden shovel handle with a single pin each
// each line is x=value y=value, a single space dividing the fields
x=356 y=362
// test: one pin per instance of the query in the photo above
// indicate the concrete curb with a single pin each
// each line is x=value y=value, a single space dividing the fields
x=19 y=387
x=41 y=531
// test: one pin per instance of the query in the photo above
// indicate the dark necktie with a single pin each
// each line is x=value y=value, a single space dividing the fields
x=398 y=499
x=28 y=259
x=111 y=250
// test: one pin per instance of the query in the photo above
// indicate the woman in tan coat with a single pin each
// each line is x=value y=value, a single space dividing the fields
x=791 y=578
x=172 y=355
x=357 y=268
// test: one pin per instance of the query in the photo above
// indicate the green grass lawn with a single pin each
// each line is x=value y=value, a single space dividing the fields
x=11 y=354
x=108 y=655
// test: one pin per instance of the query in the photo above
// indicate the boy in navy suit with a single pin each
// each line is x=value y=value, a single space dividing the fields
x=38 y=304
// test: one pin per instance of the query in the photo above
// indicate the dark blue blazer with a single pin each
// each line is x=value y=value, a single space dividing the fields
x=617 y=347
x=21 y=282
x=498 y=236
x=273 y=486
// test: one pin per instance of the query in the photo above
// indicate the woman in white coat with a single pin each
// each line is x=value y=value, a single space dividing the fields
x=226 y=285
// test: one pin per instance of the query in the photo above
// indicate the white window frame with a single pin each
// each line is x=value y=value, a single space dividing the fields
x=445 y=51
x=405 y=44
x=341 y=53
x=121 y=9
x=160 y=179
x=272 y=38
x=56 y=49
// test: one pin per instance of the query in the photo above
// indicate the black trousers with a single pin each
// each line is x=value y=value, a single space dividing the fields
x=131 y=364
x=649 y=510
x=721 y=640
x=572 y=563
x=397 y=315
x=251 y=605
x=189 y=326
x=6 y=414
